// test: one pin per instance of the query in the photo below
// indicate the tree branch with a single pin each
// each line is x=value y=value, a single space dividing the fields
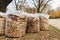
x=35 y=4
x=16 y=5
x=45 y=5
x=41 y=2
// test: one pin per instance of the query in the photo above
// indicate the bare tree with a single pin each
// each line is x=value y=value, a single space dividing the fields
x=19 y=4
x=40 y=4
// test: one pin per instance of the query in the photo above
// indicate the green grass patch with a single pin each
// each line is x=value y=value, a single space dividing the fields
x=55 y=28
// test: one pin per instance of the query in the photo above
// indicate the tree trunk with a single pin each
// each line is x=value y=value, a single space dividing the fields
x=3 y=5
x=38 y=9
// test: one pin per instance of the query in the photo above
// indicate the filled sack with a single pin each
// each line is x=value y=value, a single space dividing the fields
x=33 y=24
x=2 y=23
x=15 y=25
x=44 y=23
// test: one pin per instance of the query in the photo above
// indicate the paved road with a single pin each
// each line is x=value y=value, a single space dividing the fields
x=55 y=22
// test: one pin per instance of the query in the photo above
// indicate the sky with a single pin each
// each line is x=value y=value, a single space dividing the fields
x=30 y=3
x=55 y=4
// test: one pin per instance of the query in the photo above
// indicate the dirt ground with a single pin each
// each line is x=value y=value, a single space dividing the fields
x=51 y=34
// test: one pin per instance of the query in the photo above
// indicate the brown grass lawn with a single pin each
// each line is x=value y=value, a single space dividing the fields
x=52 y=34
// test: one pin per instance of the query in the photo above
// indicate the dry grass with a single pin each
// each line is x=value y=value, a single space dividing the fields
x=52 y=34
